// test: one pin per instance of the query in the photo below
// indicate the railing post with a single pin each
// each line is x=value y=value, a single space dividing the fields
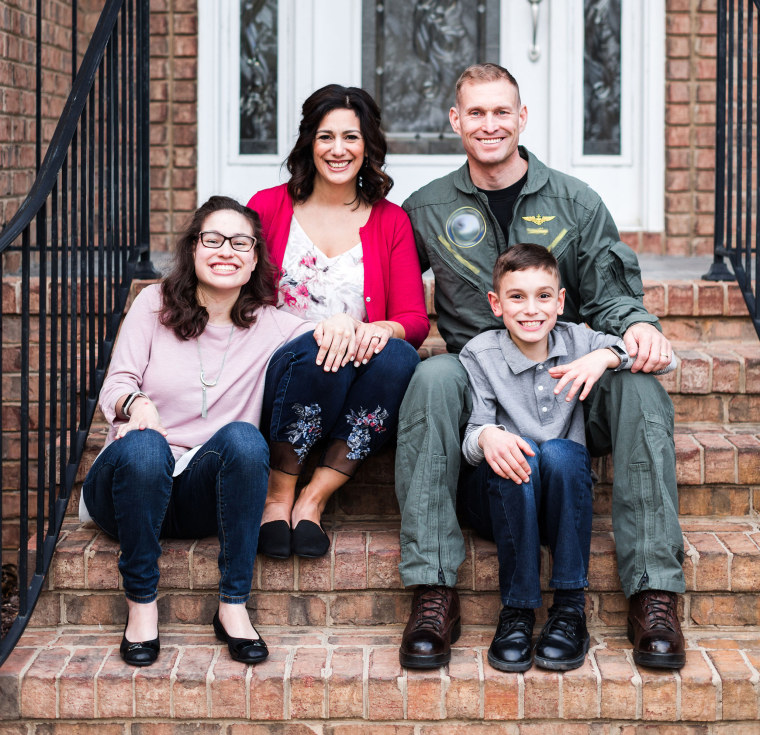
x=719 y=271
x=144 y=267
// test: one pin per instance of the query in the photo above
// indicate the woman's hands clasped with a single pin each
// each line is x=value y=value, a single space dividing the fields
x=343 y=339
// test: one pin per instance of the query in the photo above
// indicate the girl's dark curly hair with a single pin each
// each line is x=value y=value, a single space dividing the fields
x=180 y=310
x=374 y=183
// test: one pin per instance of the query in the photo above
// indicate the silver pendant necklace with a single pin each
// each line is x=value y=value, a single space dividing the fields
x=205 y=382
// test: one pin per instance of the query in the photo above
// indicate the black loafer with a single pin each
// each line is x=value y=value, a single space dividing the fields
x=143 y=653
x=512 y=644
x=563 y=643
x=274 y=539
x=309 y=540
x=245 y=650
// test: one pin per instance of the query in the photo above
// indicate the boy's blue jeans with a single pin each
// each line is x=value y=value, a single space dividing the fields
x=131 y=494
x=355 y=409
x=552 y=508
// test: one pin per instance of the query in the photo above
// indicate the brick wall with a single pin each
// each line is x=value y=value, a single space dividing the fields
x=173 y=114
x=689 y=132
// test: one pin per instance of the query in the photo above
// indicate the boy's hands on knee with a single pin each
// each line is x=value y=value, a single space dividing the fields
x=584 y=371
x=505 y=453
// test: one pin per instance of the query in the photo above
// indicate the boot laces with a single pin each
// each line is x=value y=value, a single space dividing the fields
x=660 y=611
x=432 y=605
x=513 y=618
x=565 y=619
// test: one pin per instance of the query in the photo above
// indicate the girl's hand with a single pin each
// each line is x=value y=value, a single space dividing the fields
x=337 y=341
x=370 y=338
x=143 y=414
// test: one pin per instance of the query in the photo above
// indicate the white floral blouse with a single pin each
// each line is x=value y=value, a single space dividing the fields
x=314 y=286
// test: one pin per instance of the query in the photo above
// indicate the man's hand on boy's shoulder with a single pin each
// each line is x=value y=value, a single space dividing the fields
x=584 y=371
x=649 y=346
x=505 y=453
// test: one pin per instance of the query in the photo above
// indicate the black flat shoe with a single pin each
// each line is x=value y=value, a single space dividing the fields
x=564 y=640
x=512 y=645
x=309 y=540
x=274 y=539
x=143 y=653
x=245 y=650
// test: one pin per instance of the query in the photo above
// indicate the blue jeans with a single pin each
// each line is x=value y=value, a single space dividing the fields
x=131 y=494
x=552 y=508
x=355 y=409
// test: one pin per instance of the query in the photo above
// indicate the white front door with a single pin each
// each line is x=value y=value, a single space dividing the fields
x=608 y=133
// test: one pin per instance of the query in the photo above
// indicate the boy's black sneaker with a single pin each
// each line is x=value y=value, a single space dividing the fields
x=512 y=644
x=563 y=643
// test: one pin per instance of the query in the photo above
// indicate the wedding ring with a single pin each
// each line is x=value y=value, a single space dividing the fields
x=664 y=354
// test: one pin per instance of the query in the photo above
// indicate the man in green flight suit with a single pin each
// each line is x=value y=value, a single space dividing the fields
x=462 y=222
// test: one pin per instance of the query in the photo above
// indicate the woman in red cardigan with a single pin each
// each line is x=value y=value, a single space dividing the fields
x=342 y=249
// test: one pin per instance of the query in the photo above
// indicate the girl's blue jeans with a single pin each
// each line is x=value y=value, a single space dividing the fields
x=552 y=508
x=355 y=409
x=131 y=494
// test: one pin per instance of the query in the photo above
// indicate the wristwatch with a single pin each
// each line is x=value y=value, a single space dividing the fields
x=130 y=400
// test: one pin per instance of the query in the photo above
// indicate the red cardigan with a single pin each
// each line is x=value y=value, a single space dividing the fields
x=392 y=281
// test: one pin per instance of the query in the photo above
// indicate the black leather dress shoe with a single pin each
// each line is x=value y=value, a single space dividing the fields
x=512 y=644
x=433 y=626
x=274 y=539
x=563 y=642
x=309 y=540
x=245 y=650
x=143 y=653
x=654 y=630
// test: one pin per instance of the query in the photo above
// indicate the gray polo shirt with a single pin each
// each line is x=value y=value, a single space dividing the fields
x=512 y=391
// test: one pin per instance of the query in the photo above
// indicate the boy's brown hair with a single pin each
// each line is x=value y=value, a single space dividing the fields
x=522 y=256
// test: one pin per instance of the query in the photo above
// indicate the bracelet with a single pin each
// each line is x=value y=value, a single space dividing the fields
x=130 y=400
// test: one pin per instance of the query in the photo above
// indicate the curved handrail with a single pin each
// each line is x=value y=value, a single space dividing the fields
x=66 y=128
x=79 y=233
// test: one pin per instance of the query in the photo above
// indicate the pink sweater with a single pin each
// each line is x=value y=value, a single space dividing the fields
x=149 y=357
x=392 y=280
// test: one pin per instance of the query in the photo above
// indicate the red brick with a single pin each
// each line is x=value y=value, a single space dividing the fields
x=114 y=689
x=745 y=562
x=350 y=560
x=153 y=686
x=462 y=695
x=383 y=559
x=308 y=693
x=267 y=686
x=38 y=687
x=618 y=689
x=76 y=691
x=719 y=458
x=738 y=694
x=658 y=689
x=541 y=694
x=345 y=686
x=228 y=688
x=749 y=457
x=579 y=693
x=386 y=685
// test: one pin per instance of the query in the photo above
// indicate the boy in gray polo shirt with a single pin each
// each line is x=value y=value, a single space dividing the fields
x=534 y=487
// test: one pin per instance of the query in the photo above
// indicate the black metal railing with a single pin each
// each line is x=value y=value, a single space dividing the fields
x=80 y=236
x=737 y=157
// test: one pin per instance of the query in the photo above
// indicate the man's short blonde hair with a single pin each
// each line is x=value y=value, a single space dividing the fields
x=486 y=72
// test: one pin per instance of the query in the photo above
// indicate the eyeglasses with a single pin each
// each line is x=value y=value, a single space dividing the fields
x=241 y=243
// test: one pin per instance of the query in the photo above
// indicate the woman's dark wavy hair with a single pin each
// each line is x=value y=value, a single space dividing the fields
x=180 y=310
x=374 y=183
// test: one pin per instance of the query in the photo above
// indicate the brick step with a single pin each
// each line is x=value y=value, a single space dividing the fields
x=717 y=465
x=350 y=680
x=358 y=582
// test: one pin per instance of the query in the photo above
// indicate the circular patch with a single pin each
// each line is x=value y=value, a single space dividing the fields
x=466 y=227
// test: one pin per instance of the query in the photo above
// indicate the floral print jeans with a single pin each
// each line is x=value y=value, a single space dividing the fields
x=354 y=410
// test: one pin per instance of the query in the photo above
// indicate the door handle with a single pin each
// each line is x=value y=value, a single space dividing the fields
x=534 y=52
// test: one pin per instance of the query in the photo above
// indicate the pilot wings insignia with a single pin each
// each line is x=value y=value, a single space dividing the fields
x=538 y=219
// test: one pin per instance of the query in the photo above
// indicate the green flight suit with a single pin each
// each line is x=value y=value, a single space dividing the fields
x=628 y=414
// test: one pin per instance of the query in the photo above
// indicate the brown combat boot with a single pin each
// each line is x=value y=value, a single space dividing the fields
x=433 y=626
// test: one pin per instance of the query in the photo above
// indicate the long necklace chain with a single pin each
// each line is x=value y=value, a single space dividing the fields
x=205 y=382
